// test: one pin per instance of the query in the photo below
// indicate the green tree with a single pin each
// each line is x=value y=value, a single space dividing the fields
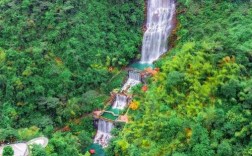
x=85 y=139
x=224 y=148
x=37 y=150
x=8 y=151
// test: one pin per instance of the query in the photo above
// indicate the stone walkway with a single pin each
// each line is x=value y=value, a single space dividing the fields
x=21 y=149
x=40 y=141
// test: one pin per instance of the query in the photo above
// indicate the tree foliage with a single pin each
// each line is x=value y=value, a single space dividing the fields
x=56 y=57
x=8 y=151
x=198 y=104
x=38 y=150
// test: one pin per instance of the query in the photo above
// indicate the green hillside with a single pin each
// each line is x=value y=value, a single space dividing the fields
x=60 y=59
x=55 y=61
x=200 y=102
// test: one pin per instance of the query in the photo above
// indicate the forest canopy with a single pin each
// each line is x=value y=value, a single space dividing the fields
x=200 y=103
x=59 y=60
x=56 y=59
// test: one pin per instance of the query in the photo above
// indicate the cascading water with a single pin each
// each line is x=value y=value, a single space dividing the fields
x=120 y=102
x=158 y=29
x=134 y=79
x=134 y=75
x=103 y=134
x=159 y=25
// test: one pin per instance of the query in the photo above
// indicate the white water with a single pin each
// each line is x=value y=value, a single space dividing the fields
x=104 y=127
x=103 y=133
x=134 y=75
x=133 y=79
x=159 y=26
x=120 y=102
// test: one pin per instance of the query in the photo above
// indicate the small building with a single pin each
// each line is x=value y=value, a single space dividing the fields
x=123 y=118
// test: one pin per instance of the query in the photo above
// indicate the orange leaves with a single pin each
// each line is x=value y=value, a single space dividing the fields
x=134 y=105
x=228 y=59
x=144 y=88
x=66 y=129
x=110 y=69
x=152 y=71
x=188 y=132
x=58 y=61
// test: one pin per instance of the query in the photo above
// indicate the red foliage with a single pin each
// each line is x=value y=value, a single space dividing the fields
x=92 y=151
x=157 y=69
x=144 y=88
x=66 y=128
x=111 y=69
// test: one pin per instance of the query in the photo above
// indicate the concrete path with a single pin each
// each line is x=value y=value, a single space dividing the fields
x=21 y=149
x=43 y=141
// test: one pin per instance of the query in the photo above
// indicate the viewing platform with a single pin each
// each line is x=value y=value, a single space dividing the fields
x=111 y=115
x=22 y=149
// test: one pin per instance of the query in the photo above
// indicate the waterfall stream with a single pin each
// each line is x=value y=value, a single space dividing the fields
x=104 y=127
x=120 y=102
x=133 y=79
x=159 y=25
x=103 y=133
x=158 y=29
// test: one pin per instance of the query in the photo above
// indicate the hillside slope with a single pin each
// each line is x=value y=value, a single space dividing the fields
x=57 y=58
x=199 y=104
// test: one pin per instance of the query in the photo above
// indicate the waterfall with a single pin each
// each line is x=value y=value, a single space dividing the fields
x=158 y=29
x=155 y=40
x=134 y=79
x=120 y=102
x=134 y=75
x=103 y=134
x=104 y=126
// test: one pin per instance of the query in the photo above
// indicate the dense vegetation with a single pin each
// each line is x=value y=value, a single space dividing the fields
x=56 y=59
x=59 y=59
x=200 y=102
x=8 y=151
